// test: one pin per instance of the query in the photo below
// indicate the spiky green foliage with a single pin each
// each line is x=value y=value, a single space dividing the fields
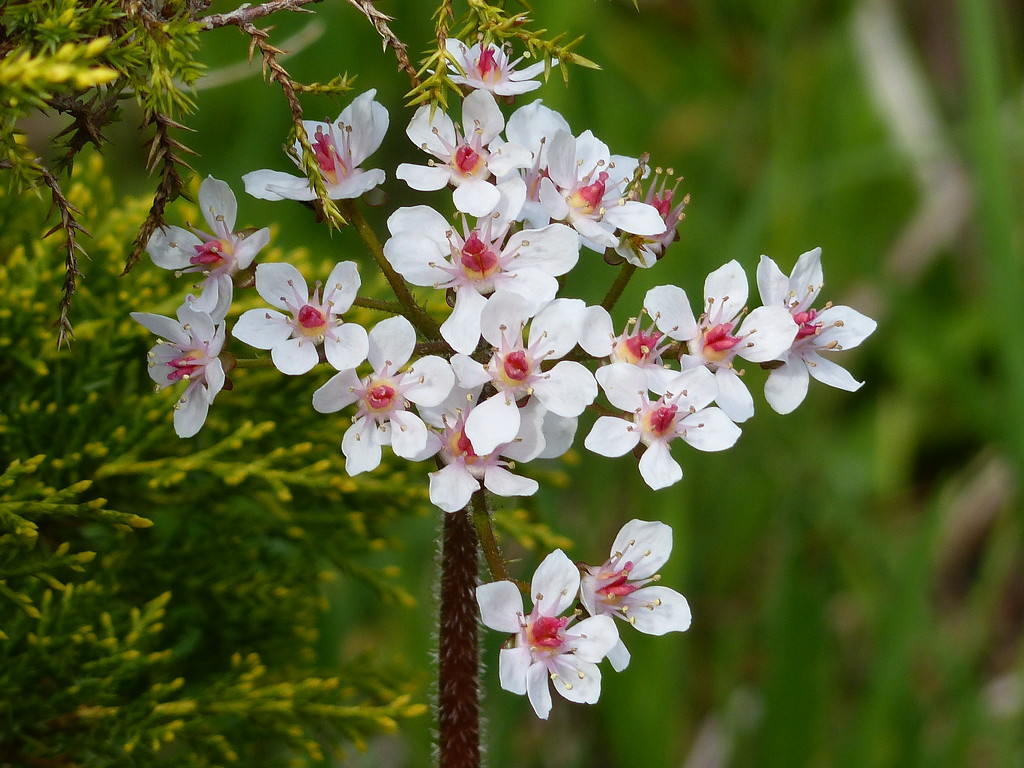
x=188 y=637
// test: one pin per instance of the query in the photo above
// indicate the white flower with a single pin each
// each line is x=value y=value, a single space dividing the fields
x=486 y=66
x=546 y=644
x=426 y=250
x=339 y=148
x=829 y=329
x=715 y=341
x=218 y=256
x=293 y=339
x=467 y=160
x=189 y=354
x=644 y=251
x=679 y=413
x=618 y=587
x=584 y=187
x=383 y=417
x=534 y=126
x=452 y=486
x=515 y=369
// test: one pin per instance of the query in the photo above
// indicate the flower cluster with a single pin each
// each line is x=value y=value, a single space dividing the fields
x=549 y=643
x=507 y=375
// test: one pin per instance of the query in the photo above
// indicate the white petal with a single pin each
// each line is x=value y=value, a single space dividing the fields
x=462 y=328
x=771 y=332
x=480 y=113
x=408 y=435
x=567 y=389
x=657 y=610
x=391 y=341
x=172 y=248
x=727 y=285
x=592 y=638
x=469 y=372
x=611 y=436
x=164 y=327
x=636 y=218
x=556 y=328
x=624 y=384
x=670 y=308
x=362 y=451
x=786 y=386
x=645 y=543
x=417 y=257
x=843 y=325
x=658 y=468
x=452 y=487
x=190 y=412
x=619 y=657
x=709 y=430
x=294 y=356
x=733 y=395
x=262 y=328
x=493 y=422
x=577 y=680
x=276 y=282
x=346 y=346
x=501 y=605
x=424 y=178
x=336 y=393
x=476 y=197
x=341 y=286
x=501 y=482
x=513 y=667
x=276 y=185
x=772 y=284
x=433 y=380
x=597 y=336
x=807 y=278
x=555 y=583
x=834 y=375
x=537 y=689
x=217 y=202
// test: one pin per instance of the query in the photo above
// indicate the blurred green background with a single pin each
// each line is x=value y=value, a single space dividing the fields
x=856 y=569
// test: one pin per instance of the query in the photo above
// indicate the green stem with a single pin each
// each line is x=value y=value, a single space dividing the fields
x=416 y=315
x=618 y=286
x=485 y=532
x=379 y=304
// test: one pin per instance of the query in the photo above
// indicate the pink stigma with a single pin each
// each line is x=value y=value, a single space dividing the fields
x=517 y=367
x=477 y=258
x=618 y=586
x=467 y=160
x=310 y=317
x=663 y=203
x=806 y=322
x=662 y=418
x=593 y=194
x=380 y=397
x=720 y=339
x=463 y=446
x=325 y=152
x=207 y=253
x=546 y=632
x=640 y=345
x=183 y=366
x=487 y=65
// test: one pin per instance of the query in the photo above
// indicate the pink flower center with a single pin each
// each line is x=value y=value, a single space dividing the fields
x=661 y=419
x=488 y=67
x=185 y=366
x=326 y=155
x=588 y=198
x=478 y=260
x=806 y=322
x=312 y=320
x=718 y=340
x=467 y=160
x=636 y=348
x=663 y=203
x=380 y=397
x=211 y=255
x=618 y=587
x=461 y=446
x=546 y=632
x=516 y=366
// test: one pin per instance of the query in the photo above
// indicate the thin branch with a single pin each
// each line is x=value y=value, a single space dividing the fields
x=163 y=151
x=70 y=227
x=247 y=14
x=380 y=23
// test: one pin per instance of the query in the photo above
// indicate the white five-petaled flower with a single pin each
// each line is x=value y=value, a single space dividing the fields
x=487 y=66
x=680 y=413
x=715 y=341
x=218 y=256
x=466 y=468
x=383 y=417
x=339 y=148
x=584 y=186
x=189 y=354
x=545 y=644
x=515 y=371
x=426 y=250
x=468 y=161
x=311 y=322
x=618 y=587
x=832 y=328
